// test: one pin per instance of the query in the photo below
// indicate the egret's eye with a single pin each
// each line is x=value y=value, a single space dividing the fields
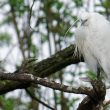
x=83 y=21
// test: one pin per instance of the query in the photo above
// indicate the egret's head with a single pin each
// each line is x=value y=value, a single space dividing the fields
x=84 y=18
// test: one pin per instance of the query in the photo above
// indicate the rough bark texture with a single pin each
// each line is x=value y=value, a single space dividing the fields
x=45 y=68
x=94 y=101
x=29 y=78
x=31 y=71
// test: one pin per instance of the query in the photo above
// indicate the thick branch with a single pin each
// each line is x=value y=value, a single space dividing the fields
x=57 y=62
x=94 y=100
x=46 y=67
x=45 y=82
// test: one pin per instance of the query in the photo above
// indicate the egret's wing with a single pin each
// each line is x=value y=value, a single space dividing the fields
x=99 y=43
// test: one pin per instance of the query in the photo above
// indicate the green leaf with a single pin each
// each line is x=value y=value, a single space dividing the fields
x=19 y=6
x=7 y=104
x=106 y=3
x=78 y=2
x=91 y=74
x=34 y=50
x=5 y=39
x=59 y=5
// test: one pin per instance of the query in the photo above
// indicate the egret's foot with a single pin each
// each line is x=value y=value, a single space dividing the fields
x=98 y=72
x=98 y=75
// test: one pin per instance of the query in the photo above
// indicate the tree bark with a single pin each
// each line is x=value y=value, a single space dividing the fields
x=45 y=68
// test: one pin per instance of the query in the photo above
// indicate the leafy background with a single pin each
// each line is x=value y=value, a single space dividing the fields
x=41 y=35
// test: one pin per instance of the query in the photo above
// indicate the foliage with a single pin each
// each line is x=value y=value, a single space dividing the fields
x=6 y=104
x=5 y=39
x=50 y=19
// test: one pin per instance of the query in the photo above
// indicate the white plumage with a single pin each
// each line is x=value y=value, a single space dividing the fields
x=93 y=41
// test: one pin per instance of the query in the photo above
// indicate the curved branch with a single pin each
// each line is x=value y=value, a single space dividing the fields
x=45 y=68
x=29 y=78
x=94 y=100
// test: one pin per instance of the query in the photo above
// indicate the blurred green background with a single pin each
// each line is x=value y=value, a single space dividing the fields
x=36 y=28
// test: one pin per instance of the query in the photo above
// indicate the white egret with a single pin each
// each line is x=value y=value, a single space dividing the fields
x=93 y=41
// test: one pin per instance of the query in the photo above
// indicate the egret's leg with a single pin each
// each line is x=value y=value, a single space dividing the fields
x=98 y=72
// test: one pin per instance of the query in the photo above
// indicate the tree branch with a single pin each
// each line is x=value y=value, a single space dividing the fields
x=45 y=68
x=29 y=78
x=93 y=101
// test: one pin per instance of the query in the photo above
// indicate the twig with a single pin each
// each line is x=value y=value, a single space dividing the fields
x=12 y=11
x=31 y=10
x=30 y=14
x=35 y=98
